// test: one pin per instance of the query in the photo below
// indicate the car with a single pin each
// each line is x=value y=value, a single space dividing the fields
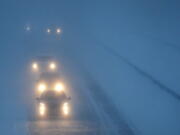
x=52 y=100
x=51 y=96
x=44 y=64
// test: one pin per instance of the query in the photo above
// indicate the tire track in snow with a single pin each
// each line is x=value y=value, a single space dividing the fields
x=107 y=105
x=140 y=71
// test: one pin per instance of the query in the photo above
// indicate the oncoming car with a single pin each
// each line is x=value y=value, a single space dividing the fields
x=44 y=64
x=50 y=92
x=51 y=96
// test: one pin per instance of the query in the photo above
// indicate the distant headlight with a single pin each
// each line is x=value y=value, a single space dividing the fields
x=42 y=87
x=48 y=30
x=65 y=108
x=42 y=109
x=58 y=30
x=52 y=66
x=35 y=66
x=58 y=87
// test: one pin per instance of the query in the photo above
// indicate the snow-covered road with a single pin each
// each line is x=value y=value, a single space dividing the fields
x=92 y=112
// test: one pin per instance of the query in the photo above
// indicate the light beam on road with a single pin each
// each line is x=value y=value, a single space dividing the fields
x=42 y=109
x=65 y=108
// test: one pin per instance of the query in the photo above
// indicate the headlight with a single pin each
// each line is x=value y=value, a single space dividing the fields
x=35 y=66
x=59 y=87
x=48 y=30
x=42 y=87
x=58 y=30
x=42 y=109
x=52 y=66
x=65 y=108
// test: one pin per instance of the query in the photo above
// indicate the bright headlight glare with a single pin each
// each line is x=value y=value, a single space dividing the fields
x=42 y=109
x=52 y=66
x=65 y=108
x=35 y=66
x=48 y=30
x=58 y=87
x=58 y=30
x=42 y=87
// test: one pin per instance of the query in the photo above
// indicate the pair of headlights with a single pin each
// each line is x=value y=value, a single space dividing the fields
x=52 y=66
x=58 y=30
x=43 y=109
x=57 y=87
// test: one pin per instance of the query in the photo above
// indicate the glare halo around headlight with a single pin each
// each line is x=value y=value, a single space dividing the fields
x=35 y=66
x=52 y=66
x=42 y=87
x=58 y=87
